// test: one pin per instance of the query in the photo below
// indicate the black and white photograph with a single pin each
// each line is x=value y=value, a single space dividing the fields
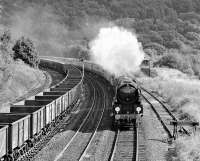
x=99 y=80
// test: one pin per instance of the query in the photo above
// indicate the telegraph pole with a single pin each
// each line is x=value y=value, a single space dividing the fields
x=83 y=66
x=150 y=64
x=149 y=68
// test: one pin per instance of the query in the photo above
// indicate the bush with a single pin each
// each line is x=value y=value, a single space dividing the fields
x=169 y=60
x=143 y=26
x=162 y=26
x=158 y=47
x=195 y=63
x=25 y=50
x=77 y=51
x=6 y=38
x=167 y=35
x=125 y=22
x=150 y=52
x=176 y=61
x=189 y=16
x=174 y=44
x=192 y=36
x=155 y=37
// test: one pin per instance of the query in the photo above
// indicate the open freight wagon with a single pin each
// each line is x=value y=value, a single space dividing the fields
x=17 y=133
x=31 y=119
x=4 y=140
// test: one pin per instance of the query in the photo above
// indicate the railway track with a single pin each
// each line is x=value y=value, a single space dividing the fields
x=87 y=130
x=86 y=133
x=125 y=145
x=72 y=118
x=163 y=114
x=84 y=152
x=57 y=125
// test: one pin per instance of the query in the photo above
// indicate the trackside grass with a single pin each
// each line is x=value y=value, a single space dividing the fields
x=182 y=93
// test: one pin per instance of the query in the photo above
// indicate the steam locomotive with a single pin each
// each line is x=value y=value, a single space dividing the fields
x=127 y=106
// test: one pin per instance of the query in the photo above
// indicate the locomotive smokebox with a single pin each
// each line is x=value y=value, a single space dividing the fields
x=127 y=94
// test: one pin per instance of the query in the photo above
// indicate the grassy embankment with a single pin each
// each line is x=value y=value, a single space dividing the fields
x=182 y=93
x=17 y=80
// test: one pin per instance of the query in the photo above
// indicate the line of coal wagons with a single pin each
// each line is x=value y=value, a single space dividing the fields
x=31 y=119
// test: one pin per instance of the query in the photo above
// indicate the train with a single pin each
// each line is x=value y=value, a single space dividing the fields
x=126 y=105
x=30 y=120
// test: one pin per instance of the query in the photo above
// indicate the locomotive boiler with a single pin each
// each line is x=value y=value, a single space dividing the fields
x=127 y=106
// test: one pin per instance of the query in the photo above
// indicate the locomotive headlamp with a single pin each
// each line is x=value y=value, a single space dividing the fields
x=138 y=109
x=117 y=109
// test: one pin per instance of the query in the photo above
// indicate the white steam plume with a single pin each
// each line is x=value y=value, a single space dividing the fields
x=117 y=51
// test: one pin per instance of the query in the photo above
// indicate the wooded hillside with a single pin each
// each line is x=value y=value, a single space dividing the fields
x=168 y=29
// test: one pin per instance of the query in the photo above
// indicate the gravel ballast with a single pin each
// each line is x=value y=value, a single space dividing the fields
x=155 y=136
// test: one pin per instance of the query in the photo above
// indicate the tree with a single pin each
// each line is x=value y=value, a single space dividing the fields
x=5 y=46
x=155 y=37
x=174 y=44
x=78 y=51
x=175 y=60
x=25 y=50
x=6 y=37
x=158 y=47
x=171 y=16
x=182 y=5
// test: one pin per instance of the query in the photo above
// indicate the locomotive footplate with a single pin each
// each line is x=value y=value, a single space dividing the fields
x=125 y=116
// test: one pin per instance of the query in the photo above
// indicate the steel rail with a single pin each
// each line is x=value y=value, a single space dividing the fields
x=80 y=127
x=137 y=143
x=116 y=140
x=159 y=118
x=170 y=135
x=95 y=131
x=114 y=147
x=38 y=146
x=166 y=109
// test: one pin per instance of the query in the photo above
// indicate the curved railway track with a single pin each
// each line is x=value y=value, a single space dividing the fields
x=84 y=152
x=88 y=128
x=78 y=147
x=57 y=125
x=93 y=100
x=163 y=114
